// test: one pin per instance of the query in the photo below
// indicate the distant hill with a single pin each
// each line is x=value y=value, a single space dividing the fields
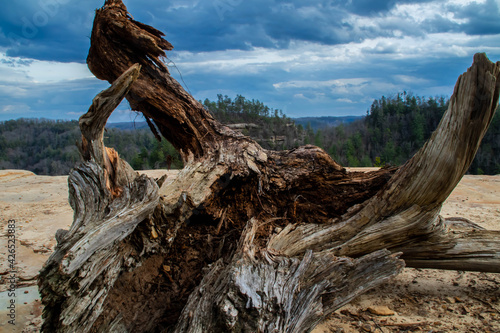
x=47 y=147
x=269 y=127
x=393 y=130
x=318 y=123
x=131 y=125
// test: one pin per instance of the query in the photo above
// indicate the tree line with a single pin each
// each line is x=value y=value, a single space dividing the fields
x=48 y=147
x=271 y=128
x=393 y=129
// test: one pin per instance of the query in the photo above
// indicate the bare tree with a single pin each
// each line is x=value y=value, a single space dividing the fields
x=245 y=239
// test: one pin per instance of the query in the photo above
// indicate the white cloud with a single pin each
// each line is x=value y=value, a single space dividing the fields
x=435 y=45
x=408 y=79
x=18 y=108
x=466 y=2
x=37 y=71
x=253 y=61
x=33 y=88
x=420 y=12
x=321 y=84
x=49 y=71
x=312 y=97
x=302 y=56
x=180 y=5
x=13 y=90
x=344 y=100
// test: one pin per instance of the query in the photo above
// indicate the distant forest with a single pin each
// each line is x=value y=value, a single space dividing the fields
x=48 y=147
x=269 y=127
x=392 y=131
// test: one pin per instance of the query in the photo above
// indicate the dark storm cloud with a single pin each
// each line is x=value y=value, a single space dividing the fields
x=47 y=30
x=483 y=19
x=59 y=29
x=370 y=7
x=234 y=24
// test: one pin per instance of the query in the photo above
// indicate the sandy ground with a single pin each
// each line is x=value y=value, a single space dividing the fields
x=417 y=300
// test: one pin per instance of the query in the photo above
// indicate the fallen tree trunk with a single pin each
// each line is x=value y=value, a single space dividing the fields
x=244 y=239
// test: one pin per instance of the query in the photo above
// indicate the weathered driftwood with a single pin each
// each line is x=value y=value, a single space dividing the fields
x=109 y=200
x=266 y=292
x=245 y=239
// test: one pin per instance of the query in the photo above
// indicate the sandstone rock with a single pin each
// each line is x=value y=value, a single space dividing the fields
x=381 y=311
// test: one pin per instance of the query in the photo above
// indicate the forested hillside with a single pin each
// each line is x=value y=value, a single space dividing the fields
x=48 y=147
x=320 y=123
x=392 y=131
x=269 y=127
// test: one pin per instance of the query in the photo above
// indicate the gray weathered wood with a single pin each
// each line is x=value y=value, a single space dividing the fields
x=259 y=291
x=90 y=256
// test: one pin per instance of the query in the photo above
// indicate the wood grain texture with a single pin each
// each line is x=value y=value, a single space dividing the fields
x=91 y=255
x=263 y=292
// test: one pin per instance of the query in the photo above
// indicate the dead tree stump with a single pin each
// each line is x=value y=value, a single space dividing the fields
x=245 y=239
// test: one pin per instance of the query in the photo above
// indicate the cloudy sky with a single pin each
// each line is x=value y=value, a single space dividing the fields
x=307 y=58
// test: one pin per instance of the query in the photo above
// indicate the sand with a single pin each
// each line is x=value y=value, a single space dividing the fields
x=417 y=300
